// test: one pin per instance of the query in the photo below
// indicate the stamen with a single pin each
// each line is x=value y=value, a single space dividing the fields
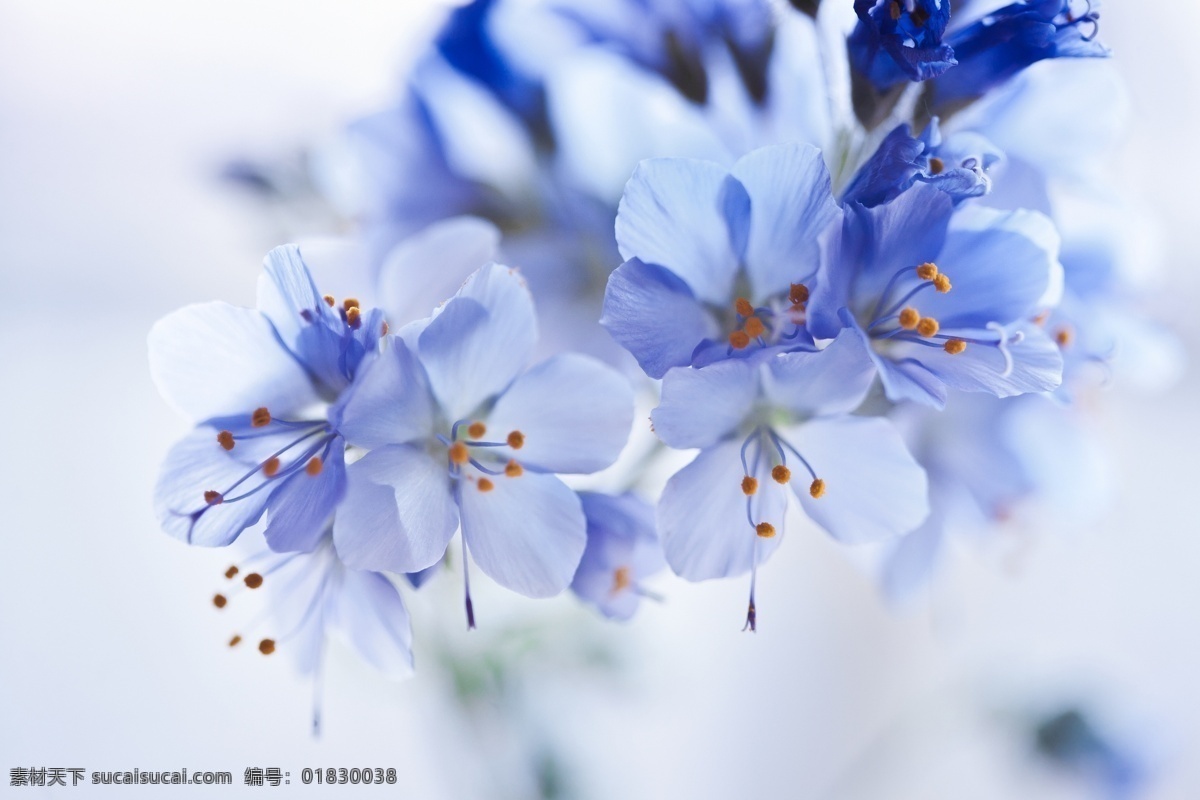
x=1064 y=336
x=749 y=485
x=225 y=439
x=485 y=485
x=513 y=470
x=754 y=327
x=476 y=430
x=354 y=317
x=349 y=303
x=383 y=329
x=516 y=440
x=936 y=166
x=765 y=529
x=798 y=294
x=219 y=600
x=927 y=271
x=229 y=573
x=895 y=10
x=954 y=346
x=942 y=283
x=817 y=489
x=329 y=301
x=459 y=454
x=260 y=418
x=235 y=641
x=253 y=580
x=928 y=327
x=739 y=340
x=266 y=646
x=213 y=498
x=621 y=579
x=909 y=318
x=781 y=474
x=271 y=466
x=919 y=17
x=743 y=307
x=314 y=466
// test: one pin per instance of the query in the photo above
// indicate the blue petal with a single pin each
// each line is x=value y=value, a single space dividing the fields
x=903 y=378
x=389 y=403
x=575 y=413
x=528 y=533
x=702 y=516
x=1036 y=363
x=398 y=514
x=213 y=359
x=677 y=213
x=369 y=612
x=911 y=563
x=831 y=381
x=480 y=341
x=301 y=507
x=700 y=406
x=654 y=315
x=621 y=536
x=791 y=204
x=874 y=488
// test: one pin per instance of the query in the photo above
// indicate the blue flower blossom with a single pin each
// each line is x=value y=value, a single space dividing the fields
x=993 y=49
x=460 y=433
x=772 y=429
x=622 y=551
x=264 y=385
x=896 y=41
x=719 y=262
x=944 y=299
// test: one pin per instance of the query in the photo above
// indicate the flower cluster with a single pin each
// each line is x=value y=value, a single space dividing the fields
x=848 y=273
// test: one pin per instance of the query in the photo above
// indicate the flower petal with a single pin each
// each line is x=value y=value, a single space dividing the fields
x=389 y=403
x=654 y=315
x=527 y=533
x=831 y=381
x=702 y=516
x=1036 y=364
x=574 y=411
x=700 y=406
x=621 y=537
x=480 y=341
x=791 y=204
x=300 y=509
x=214 y=359
x=676 y=213
x=398 y=514
x=370 y=614
x=874 y=488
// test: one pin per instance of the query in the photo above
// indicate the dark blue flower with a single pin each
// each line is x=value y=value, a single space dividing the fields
x=897 y=41
x=1009 y=39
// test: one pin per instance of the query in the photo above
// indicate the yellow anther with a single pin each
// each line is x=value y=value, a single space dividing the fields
x=1041 y=318
x=271 y=466
x=754 y=327
x=383 y=329
x=927 y=271
x=476 y=430
x=1064 y=336
x=329 y=301
x=459 y=454
x=954 y=346
x=743 y=307
x=936 y=166
x=349 y=303
x=260 y=418
x=798 y=294
x=225 y=439
x=749 y=485
x=353 y=317
x=622 y=579
x=941 y=283
x=513 y=470
x=908 y=319
x=266 y=646
x=781 y=474
x=485 y=485
x=213 y=498
x=219 y=600
x=739 y=340
x=817 y=488
x=314 y=466
x=895 y=10
x=516 y=440
x=231 y=572
x=235 y=641
x=253 y=580
x=765 y=529
x=928 y=326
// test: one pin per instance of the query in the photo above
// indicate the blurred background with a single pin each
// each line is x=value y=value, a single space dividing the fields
x=1037 y=669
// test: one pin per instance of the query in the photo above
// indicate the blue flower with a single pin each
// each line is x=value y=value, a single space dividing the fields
x=958 y=166
x=718 y=261
x=770 y=429
x=896 y=41
x=460 y=433
x=265 y=386
x=995 y=48
x=944 y=299
x=622 y=551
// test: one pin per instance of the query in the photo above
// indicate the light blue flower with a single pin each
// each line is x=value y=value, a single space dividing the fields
x=718 y=261
x=622 y=551
x=944 y=299
x=461 y=434
x=264 y=385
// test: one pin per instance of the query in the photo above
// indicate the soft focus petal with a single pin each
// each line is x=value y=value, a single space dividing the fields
x=622 y=549
x=369 y=612
x=398 y=514
x=301 y=508
x=700 y=406
x=527 y=533
x=389 y=403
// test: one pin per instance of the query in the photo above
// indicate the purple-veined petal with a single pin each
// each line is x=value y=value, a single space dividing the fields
x=301 y=507
x=389 y=403
x=700 y=406
x=1033 y=364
